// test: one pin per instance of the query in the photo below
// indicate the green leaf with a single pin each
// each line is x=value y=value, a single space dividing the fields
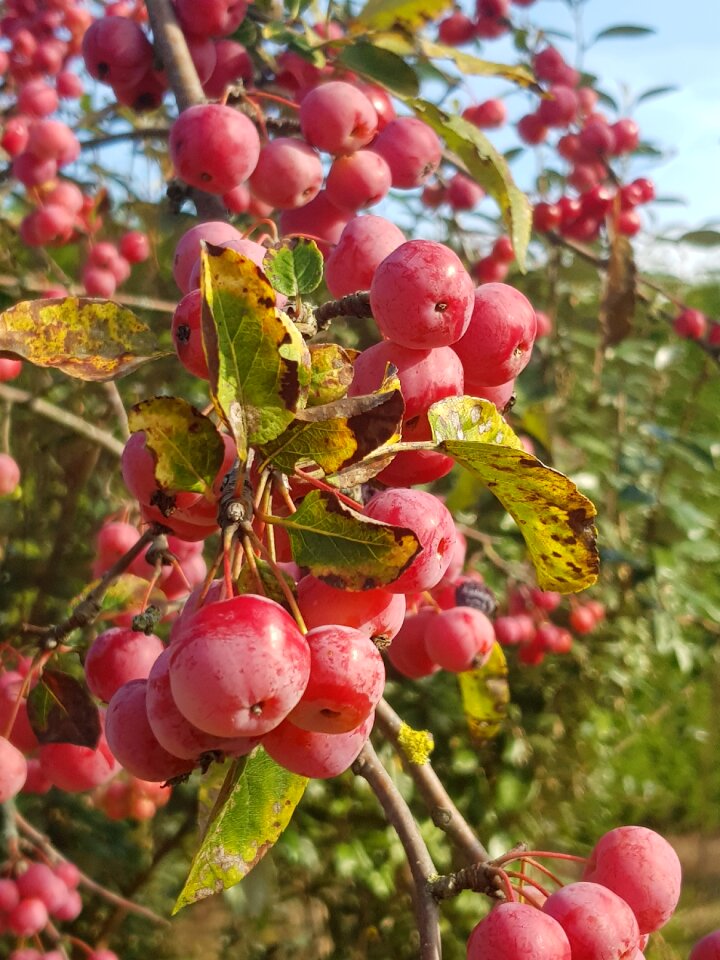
x=186 y=445
x=128 y=594
x=555 y=519
x=623 y=30
x=381 y=66
x=410 y=14
x=336 y=443
x=485 y=695
x=295 y=267
x=701 y=238
x=344 y=548
x=654 y=92
x=61 y=710
x=260 y=799
x=259 y=364
x=474 y=66
x=331 y=373
x=87 y=339
x=483 y=163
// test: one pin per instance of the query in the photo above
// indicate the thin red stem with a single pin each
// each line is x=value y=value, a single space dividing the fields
x=321 y=485
x=516 y=875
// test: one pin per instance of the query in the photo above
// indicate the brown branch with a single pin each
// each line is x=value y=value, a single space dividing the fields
x=443 y=811
x=39 y=284
x=43 y=844
x=352 y=305
x=135 y=133
x=87 y=610
x=172 y=49
x=422 y=868
x=63 y=417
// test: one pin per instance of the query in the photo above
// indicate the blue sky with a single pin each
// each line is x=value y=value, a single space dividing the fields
x=684 y=52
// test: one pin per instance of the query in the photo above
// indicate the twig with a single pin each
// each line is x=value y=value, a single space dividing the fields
x=443 y=811
x=135 y=133
x=38 y=285
x=89 y=607
x=422 y=868
x=118 y=408
x=63 y=417
x=353 y=305
x=53 y=854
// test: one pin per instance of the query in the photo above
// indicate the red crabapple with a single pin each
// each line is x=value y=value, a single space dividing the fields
x=239 y=666
x=518 y=931
x=312 y=754
x=422 y=296
x=499 y=339
x=214 y=147
x=431 y=522
x=598 y=923
x=641 y=867
x=337 y=117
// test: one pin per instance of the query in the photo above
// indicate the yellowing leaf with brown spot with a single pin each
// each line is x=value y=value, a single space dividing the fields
x=185 y=444
x=344 y=548
x=259 y=800
x=340 y=441
x=555 y=519
x=258 y=361
x=85 y=338
x=485 y=695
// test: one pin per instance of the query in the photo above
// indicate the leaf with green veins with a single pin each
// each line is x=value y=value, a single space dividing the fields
x=339 y=442
x=410 y=14
x=555 y=519
x=479 y=158
x=87 y=339
x=187 y=448
x=331 y=372
x=621 y=31
x=474 y=66
x=128 y=594
x=485 y=695
x=256 y=804
x=295 y=267
x=344 y=548
x=382 y=66
x=258 y=361
x=61 y=710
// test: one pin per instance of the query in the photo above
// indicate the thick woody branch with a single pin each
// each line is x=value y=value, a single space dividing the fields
x=422 y=868
x=172 y=49
x=443 y=811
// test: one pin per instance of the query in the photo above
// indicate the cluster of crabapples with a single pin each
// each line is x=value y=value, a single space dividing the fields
x=35 y=894
x=27 y=766
x=39 y=85
x=629 y=889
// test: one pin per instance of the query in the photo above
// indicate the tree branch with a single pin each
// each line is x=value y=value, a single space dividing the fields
x=42 y=843
x=63 y=417
x=172 y=49
x=39 y=284
x=443 y=811
x=422 y=868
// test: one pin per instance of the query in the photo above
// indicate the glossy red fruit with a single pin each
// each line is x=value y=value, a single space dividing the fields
x=499 y=339
x=518 y=931
x=214 y=147
x=239 y=666
x=347 y=677
x=421 y=295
